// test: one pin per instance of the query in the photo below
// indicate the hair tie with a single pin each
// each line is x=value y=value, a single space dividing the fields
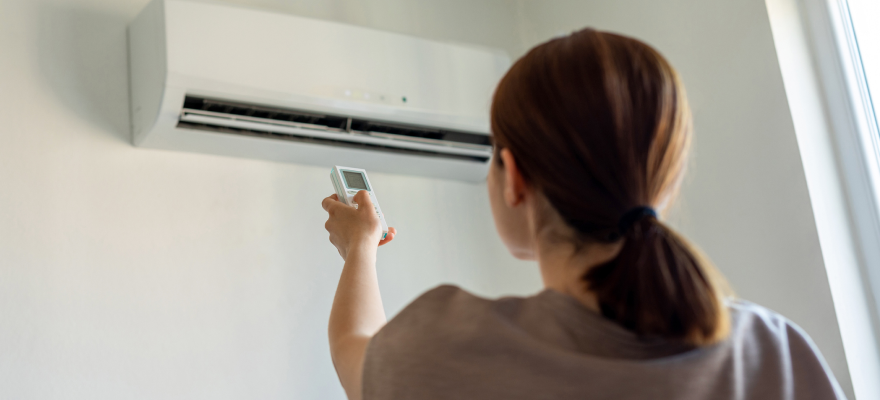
x=632 y=216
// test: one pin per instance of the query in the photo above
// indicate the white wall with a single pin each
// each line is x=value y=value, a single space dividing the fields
x=746 y=201
x=133 y=273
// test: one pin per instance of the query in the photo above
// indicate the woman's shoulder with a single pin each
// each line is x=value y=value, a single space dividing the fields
x=448 y=307
x=448 y=317
x=441 y=300
x=753 y=324
x=437 y=331
x=445 y=295
x=772 y=343
x=750 y=319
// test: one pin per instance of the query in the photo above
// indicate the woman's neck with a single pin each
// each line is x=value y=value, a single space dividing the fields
x=563 y=268
x=563 y=264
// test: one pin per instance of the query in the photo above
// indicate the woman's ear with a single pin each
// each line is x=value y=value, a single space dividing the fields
x=514 y=184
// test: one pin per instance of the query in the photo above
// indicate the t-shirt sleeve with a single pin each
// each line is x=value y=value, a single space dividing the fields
x=406 y=356
x=811 y=376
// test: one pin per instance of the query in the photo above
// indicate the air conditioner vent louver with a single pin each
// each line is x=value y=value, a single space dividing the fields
x=277 y=114
x=338 y=143
x=281 y=123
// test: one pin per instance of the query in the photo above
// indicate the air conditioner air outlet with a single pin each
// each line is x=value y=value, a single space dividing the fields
x=226 y=116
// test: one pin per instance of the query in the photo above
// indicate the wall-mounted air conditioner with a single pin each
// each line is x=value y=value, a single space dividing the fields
x=246 y=83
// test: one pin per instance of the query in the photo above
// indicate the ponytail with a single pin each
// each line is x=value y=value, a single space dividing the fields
x=658 y=285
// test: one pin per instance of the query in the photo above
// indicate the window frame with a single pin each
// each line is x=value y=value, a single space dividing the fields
x=839 y=143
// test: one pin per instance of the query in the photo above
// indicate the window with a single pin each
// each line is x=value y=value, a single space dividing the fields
x=864 y=15
x=859 y=40
x=861 y=16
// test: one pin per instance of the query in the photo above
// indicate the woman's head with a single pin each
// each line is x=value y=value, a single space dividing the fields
x=596 y=125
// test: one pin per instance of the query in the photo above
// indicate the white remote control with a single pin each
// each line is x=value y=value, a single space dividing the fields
x=347 y=182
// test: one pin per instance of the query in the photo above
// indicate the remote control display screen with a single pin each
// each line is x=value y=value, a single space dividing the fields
x=355 y=180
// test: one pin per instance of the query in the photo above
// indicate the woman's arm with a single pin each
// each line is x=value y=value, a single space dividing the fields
x=356 y=316
x=357 y=312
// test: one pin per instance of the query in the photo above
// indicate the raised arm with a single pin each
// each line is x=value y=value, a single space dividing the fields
x=357 y=312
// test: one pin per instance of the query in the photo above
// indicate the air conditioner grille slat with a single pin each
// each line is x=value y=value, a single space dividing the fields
x=227 y=107
x=265 y=121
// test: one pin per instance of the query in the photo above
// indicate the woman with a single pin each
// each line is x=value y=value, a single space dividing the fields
x=591 y=137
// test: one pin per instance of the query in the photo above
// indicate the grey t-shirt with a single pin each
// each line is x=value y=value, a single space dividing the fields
x=449 y=344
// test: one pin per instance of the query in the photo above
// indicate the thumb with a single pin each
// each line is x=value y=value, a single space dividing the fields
x=362 y=198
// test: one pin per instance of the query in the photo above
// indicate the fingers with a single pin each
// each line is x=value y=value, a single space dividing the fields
x=389 y=237
x=329 y=201
x=362 y=198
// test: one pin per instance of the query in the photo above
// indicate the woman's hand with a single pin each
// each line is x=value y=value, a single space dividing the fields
x=351 y=227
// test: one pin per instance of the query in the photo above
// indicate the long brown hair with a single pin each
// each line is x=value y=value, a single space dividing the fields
x=600 y=125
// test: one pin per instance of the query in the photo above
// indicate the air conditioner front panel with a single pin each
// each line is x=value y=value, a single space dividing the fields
x=180 y=49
